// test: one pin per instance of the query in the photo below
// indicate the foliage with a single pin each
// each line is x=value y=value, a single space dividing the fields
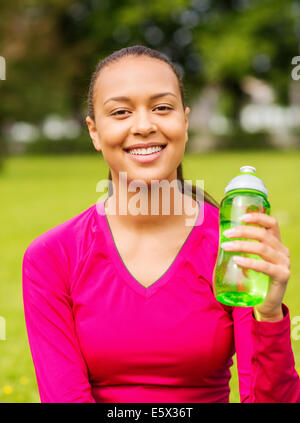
x=82 y=144
x=242 y=140
x=52 y=47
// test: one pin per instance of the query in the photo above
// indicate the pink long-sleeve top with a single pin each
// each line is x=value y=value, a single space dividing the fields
x=97 y=335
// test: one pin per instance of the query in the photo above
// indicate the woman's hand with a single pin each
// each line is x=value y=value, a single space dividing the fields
x=275 y=263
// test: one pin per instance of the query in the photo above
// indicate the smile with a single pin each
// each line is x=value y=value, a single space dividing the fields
x=146 y=151
x=145 y=155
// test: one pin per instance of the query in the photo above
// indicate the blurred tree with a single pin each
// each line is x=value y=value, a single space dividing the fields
x=249 y=37
x=53 y=46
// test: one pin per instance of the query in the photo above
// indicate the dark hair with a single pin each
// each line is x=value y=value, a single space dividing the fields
x=139 y=50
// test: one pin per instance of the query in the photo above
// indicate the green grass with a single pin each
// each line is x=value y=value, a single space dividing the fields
x=38 y=193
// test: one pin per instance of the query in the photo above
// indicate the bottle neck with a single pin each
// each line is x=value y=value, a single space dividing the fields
x=245 y=191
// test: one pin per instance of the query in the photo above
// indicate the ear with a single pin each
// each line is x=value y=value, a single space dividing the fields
x=93 y=132
x=186 y=114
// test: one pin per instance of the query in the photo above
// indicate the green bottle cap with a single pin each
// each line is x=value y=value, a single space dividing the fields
x=246 y=179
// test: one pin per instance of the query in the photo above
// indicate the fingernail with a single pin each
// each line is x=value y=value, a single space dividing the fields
x=227 y=245
x=238 y=259
x=246 y=217
x=229 y=232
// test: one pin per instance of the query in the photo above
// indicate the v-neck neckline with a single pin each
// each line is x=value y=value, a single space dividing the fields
x=120 y=265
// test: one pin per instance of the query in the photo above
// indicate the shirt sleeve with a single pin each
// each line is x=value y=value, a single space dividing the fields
x=265 y=360
x=61 y=371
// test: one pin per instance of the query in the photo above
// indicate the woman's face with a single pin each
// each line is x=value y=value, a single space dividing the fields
x=121 y=123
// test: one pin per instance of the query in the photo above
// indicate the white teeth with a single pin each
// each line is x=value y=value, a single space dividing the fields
x=145 y=151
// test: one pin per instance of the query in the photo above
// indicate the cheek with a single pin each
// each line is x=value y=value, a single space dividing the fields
x=175 y=130
x=112 y=134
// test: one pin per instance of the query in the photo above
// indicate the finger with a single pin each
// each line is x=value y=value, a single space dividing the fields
x=262 y=249
x=268 y=222
x=253 y=232
x=270 y=225
x=287 y=251
x=276 y=272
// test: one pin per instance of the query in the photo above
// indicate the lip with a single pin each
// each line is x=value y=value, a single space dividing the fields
x=148 y=158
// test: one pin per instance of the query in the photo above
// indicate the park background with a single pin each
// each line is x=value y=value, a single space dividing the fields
x=238 y=62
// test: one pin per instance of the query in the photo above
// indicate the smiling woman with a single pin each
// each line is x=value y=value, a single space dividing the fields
x=137 y=61
x=120 y=307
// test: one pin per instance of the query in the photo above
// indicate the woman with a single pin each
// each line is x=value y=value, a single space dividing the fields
x=119 y=307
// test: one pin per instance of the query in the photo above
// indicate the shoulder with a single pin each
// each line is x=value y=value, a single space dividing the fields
x=209 y=222
x=64 y=236
x=205 y=245
x=212 y=213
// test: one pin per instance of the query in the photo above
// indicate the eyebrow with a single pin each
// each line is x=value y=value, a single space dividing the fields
x=122 y=98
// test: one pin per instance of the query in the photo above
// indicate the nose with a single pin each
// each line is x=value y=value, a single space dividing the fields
x=143 y=124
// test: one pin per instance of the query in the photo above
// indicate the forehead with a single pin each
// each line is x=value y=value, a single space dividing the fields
x=135 y=76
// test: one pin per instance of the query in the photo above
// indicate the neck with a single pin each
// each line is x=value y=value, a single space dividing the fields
x=149 y=209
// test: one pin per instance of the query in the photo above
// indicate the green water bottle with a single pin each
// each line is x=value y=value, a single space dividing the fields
x=234 y=285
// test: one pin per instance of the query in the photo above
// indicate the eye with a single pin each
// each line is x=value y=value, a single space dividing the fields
x=119 y=112
x=163 y=107
x=122 y=112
